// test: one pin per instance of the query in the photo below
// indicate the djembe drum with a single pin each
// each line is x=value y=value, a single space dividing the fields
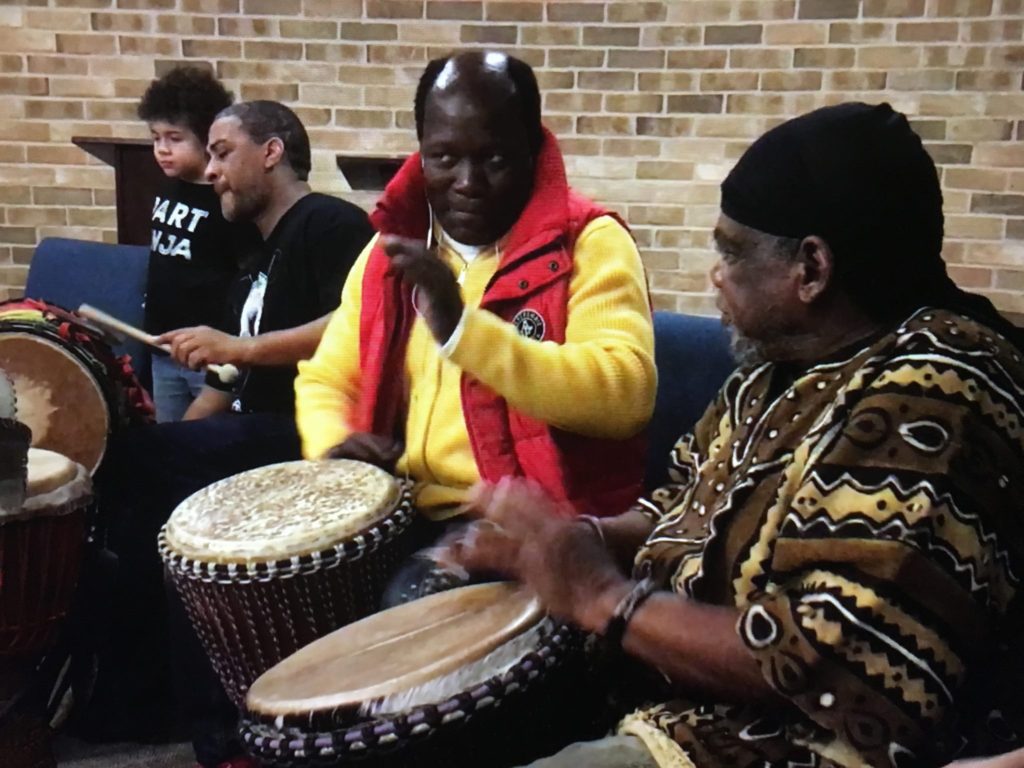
x=72 y=390
x=271 y=559
x=43 y=503
x=476 y=676
x=41 y=548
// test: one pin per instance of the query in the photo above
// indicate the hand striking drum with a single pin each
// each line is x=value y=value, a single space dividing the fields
x=226 y=373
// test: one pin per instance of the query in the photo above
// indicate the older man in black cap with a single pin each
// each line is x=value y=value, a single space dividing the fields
x=832 y=577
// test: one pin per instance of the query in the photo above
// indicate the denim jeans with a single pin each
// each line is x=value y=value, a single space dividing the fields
x=174 y=388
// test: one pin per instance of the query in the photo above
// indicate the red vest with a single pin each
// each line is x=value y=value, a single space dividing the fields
x=530 y=288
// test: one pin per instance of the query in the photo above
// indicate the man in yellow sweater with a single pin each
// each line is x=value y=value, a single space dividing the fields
x=500 y=324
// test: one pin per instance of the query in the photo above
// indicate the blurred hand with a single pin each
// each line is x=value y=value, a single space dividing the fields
x=437 y=292
x=525 y=535
x=201 y=345
x=380 y=451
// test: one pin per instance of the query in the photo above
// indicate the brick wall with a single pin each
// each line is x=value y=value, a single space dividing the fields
x=653 y=100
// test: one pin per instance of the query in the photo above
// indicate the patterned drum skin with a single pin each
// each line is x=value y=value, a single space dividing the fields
x=41 y=549
x=72 y=390
x=272 y=559
x=476 y=676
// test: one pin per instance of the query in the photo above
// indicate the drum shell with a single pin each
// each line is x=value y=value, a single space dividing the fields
x=26 y=742
x=40 y=560
x=106 y=381
x=248 y=620
x=546 y=701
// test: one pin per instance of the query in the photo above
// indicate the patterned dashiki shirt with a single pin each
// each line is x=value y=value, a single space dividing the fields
x=866 y=518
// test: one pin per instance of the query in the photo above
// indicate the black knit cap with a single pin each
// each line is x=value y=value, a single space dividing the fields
x=857 y=176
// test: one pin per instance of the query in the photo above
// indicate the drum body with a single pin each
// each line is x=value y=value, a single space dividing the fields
x=471 y=677
x=272 y=559
x=41 y=549
x=72 y=391
x=25 y=742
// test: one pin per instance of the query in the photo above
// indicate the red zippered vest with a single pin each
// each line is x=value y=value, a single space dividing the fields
x=597 y=476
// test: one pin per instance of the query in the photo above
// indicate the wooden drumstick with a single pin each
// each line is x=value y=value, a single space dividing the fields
x=227 y=373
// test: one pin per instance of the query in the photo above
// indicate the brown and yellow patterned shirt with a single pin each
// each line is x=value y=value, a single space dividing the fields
x=866 y=518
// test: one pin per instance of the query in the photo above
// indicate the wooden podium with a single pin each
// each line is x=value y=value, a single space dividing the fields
x=368 y=173
x=136 y=178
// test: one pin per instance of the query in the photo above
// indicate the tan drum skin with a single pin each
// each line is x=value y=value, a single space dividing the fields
x=280 y=511
x=396 y=649
x=475 y=676
x=58 y=397
x=275 y=558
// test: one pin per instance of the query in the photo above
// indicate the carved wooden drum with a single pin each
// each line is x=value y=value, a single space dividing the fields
x=476 y=676
x=271 y=559
x=72 y=390
x=41 y=549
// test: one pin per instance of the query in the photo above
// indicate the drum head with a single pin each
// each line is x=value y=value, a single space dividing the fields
x=48 y=471
x=58 y=397
x=282 y=511
x=395 y=650
x=55 y=485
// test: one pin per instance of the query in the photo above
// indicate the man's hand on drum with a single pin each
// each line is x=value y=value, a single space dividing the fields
x=525 y=535
x=372 y=449
x=201 y=346
x=437 y=297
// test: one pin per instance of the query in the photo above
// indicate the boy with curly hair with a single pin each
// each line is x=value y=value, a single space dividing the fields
x=194 y=251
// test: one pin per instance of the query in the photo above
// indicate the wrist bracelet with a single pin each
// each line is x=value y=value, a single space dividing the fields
x=594 y=524
x=615 y=629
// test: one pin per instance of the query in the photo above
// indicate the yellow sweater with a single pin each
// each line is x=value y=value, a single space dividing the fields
x=600 y=382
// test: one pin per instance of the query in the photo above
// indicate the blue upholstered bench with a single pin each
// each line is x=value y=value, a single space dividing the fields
x=692 y=353
x=110 y=277
x=693 y=359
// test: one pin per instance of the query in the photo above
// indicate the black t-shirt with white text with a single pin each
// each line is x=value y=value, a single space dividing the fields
x=295 y=277
x=194 y=255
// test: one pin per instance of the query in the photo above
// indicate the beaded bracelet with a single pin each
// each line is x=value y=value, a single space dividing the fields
x=615 y=629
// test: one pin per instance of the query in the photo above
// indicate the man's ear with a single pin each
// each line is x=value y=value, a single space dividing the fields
x=273 y=153
x=817 y=268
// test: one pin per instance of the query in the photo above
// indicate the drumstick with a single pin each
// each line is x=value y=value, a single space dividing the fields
x=226 y=373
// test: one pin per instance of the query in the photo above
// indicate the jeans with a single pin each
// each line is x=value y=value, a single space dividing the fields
x=174 y=388
x=147 y=472
x=609 y=752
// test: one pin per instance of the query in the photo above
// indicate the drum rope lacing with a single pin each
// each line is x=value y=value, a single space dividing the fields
x=347 y=551
x=285 y=739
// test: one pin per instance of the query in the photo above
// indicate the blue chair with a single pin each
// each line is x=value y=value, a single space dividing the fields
x=110 y=277
x=693 y=359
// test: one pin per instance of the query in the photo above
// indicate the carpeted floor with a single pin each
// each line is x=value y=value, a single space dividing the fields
x=78 y=754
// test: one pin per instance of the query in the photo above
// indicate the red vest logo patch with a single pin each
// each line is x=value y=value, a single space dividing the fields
x=529 y=324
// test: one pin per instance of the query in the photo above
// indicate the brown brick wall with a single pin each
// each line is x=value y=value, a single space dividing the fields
x=653 y=100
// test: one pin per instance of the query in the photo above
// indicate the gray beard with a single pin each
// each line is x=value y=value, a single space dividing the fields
x=745 y=351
